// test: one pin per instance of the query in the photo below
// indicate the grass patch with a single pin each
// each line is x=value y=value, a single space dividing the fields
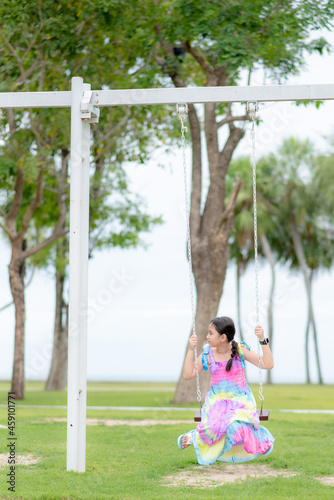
x=131 y=462
x=280 y=396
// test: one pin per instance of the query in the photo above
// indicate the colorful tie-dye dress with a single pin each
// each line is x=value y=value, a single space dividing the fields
x=229 y=430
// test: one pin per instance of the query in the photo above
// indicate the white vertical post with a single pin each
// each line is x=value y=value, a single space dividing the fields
x=73 y=395
x=84 y=249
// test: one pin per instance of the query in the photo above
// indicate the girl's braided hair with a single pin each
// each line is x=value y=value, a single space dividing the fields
x=225 y=325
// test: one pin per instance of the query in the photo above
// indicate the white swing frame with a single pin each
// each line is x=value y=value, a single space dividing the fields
x=84 y=104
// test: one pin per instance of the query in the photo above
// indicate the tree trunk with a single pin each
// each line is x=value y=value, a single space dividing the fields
x=210 y=256
x=209 y=302
x=240 y=270
x=268 y=253
x=210 y=253
x=58 y=371
x=307 y=358
x=297 y=243
x=307 y=337
x=211 y=227
x=17 y=224
x=16 y=280
x=238 y=299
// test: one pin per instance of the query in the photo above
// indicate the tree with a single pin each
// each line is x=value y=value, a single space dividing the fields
x=304 y=235
x=117 y=218
x=209 y=43
x=41 y=46
x=294 y=218
x=23 y=175
x=32 y=42
x=242 y=238
x=323 y=176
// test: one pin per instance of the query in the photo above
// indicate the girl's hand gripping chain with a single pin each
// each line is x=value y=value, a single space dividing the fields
x=193 y=342
x=189 y=369
x=259 y=332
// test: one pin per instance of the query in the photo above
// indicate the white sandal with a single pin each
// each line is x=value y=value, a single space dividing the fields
x=189 y=440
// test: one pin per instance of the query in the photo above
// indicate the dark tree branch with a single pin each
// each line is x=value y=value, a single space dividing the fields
x=5 y=228
x=9 y=46
x=37 y=248
x=214 y=206
x=16 y=205
x=211 y=137
x=58 y=230
x=236 y=134
x=221 y=75
x=33 y=205
x=230 y=119
x=116 y=128
x=42 y=76
x=198 y=57
x=196 y=192
x=29 y=47
x=2 y=308
x=11 y=121
x=24 y=77
x=229 y=210
x=39 y=139
x=29 y=71
x=18 y=59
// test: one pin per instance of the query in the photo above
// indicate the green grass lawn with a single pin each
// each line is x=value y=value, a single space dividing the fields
x=278 y=396
x=131 y=462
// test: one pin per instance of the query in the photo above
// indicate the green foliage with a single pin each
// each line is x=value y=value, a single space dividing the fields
x=317 y=104
x=7 y=168
x=43 y=44
x=242 y=238
x=324 y=180
x=234 y=34
x=297 y=182
x=298 y=195
x=119 y=44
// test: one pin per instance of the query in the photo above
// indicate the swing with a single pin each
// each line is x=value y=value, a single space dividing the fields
x=252 y=109
x=182 y=110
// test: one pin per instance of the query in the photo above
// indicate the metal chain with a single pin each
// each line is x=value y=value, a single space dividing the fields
x=252 y=113
x=182 y=110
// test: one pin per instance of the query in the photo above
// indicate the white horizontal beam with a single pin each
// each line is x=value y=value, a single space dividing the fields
x=56 y=99
x=132 y=97
x=216 y=94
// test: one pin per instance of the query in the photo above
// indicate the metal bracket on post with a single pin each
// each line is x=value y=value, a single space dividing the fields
x=252 y=109
x=182 y=110
x=89 y=107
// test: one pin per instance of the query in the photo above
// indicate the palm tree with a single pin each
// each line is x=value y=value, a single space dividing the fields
x=242 y=242
x=302 y=218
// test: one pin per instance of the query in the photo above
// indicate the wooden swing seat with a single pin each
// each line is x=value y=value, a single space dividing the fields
x=197 y=416
x=263 y=415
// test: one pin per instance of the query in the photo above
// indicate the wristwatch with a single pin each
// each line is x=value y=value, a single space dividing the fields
x=264 y=342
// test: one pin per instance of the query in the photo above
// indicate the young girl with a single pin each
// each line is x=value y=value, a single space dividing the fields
x=229 y=430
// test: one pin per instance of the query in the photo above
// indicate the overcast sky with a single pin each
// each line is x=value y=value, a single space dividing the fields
x=140 y=332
